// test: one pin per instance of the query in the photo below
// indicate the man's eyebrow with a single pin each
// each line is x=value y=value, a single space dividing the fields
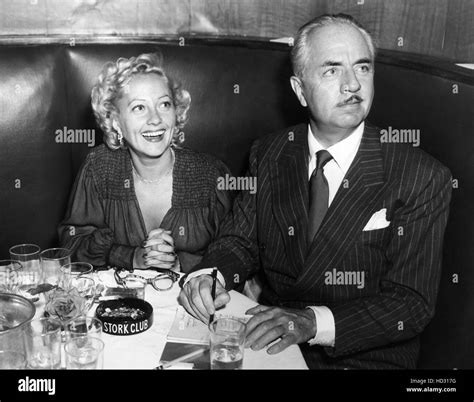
x=364 y=60
x=333 y=63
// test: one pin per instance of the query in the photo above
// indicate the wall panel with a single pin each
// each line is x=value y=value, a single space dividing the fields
x=443 y=28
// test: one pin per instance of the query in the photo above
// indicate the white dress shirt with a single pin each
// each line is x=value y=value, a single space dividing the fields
x=343 y=153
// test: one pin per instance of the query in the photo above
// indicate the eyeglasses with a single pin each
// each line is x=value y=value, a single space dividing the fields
x=161 y=282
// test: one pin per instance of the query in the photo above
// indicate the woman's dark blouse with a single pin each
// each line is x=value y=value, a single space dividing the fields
x=103 y=223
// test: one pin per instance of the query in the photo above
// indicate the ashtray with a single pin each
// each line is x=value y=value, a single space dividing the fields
x=127 y=316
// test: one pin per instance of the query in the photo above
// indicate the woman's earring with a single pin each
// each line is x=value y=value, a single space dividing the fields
x=118 y=131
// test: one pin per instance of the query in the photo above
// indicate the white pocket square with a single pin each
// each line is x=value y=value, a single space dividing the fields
x=377 y=221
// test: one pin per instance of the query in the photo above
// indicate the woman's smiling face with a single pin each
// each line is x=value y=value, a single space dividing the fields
x=146 y=115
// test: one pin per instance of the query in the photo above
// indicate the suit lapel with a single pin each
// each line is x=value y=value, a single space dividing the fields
x=289 y=178
x=353 y=205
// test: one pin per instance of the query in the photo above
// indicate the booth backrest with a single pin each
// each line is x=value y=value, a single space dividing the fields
x=240 y=91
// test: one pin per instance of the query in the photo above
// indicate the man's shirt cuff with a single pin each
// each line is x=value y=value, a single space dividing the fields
x=205 y=271
x=326 y=328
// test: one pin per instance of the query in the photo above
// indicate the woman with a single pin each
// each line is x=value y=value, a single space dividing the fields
x=140 y=200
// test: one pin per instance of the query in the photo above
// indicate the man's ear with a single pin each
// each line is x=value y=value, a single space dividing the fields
x=297 y=87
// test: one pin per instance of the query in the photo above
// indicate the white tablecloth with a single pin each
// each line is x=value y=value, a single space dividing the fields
x=143 y=351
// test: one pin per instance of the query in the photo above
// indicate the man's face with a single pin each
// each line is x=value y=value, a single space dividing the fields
x=338 y=80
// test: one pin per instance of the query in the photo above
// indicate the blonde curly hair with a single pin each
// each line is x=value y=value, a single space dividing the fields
x=115 y=76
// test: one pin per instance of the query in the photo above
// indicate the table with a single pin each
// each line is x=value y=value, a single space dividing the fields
x=143 y=351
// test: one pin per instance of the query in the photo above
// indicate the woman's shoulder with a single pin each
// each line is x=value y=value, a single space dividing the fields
x=199 y=164
x=102 y=160
x=108 y=169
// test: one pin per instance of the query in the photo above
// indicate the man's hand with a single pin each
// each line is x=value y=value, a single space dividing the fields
x=196 y=297
x=270 y=323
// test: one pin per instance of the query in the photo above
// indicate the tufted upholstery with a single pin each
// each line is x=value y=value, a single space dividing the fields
x=239 y=91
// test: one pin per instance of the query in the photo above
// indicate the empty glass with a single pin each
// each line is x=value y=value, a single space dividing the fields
x=74 y=270
x=86 y=288
x=10 y=277
x=52 y=260
x=83 y=326
x=31 y=274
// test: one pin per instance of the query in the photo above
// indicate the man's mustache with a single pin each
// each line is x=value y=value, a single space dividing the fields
x=353 y=98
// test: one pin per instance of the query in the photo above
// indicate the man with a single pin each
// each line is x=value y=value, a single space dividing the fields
x=345 y=231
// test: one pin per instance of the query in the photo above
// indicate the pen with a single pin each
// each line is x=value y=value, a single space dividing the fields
x=180 y=359
x=213 y=292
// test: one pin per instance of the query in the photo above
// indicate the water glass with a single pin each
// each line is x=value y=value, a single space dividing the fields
x=83 y=326
x=227 y=339
x=84 y=353
x=12 y=360
x=74 y=270
x=31 y=275
x=10 y=276
x=43 y=344
x=52 y=260
x=86 y=288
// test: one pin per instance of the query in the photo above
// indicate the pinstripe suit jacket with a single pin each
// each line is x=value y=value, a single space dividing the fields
x=377 y=326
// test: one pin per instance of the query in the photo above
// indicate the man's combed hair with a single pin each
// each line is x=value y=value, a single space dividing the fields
x=299 y=53
x=115 y=76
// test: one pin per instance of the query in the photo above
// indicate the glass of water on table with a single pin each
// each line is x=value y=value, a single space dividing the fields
x=43 y=344
x=227 y=336
x=84 y=352
x=52 y=260
x=28 y=255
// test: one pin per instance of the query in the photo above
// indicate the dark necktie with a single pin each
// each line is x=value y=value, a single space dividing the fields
x=318 y=194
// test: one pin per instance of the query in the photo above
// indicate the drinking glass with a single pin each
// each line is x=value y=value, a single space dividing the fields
x=84 y=352
x=86 y=288
x=227 y=336
x=12 y=360
x=10 y=277
x=83 y=326
x=31 y=275
x=52 y=260
x=74 y=270
x=43 y=344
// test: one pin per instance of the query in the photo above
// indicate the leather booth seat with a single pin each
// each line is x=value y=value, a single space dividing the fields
x=240 y=91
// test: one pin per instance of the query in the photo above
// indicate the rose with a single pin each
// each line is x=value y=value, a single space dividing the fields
x=65 y=303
